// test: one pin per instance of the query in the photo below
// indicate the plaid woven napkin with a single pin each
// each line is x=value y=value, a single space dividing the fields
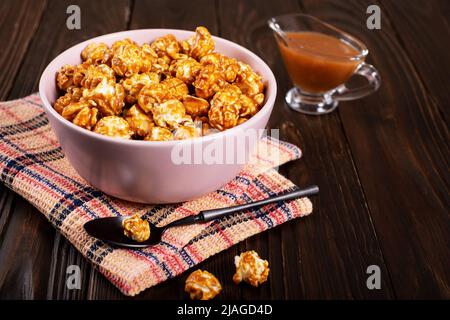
x=33 y=165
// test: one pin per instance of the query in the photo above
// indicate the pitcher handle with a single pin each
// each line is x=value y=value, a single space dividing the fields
x=373 y=78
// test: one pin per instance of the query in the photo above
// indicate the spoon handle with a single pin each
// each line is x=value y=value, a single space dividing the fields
x=213 y=214
x=208 y=215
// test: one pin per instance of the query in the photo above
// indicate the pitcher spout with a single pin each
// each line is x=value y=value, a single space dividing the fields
x=279 y=33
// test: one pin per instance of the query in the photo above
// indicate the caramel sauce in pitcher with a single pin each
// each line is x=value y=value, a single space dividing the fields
x=317 y=62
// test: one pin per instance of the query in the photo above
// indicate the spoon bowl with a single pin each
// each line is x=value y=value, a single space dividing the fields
x=111 y=230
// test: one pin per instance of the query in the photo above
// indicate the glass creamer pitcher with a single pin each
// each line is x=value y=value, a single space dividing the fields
x=320 y=59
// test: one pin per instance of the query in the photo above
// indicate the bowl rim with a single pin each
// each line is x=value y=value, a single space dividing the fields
x=271 y=93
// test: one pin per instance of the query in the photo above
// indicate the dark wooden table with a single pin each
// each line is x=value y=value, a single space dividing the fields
x=382 y=162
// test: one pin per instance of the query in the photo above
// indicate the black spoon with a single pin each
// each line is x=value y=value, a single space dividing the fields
x=110 y=229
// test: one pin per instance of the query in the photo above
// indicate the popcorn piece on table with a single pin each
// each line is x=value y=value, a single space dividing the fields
x=96 y=53
x=250 y=268
x=136 y=228
x=198 y=45
x=114 y=126
x=202 y=285
x=140 y=123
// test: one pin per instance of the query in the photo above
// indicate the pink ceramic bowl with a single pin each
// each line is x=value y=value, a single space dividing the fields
x=144 y=171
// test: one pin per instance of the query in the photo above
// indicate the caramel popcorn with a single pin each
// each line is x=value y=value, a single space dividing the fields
x=223 y=117
x=136 y=228
x=151 y=94
x=195 y=107
x=250 y=268
x=209 y=81
x=175 y=88
x=81 y=114
x=70 y=111
x=79 y=73
x=118 y=45
x=249 y=81
x=159 y=134
x=248 y=106
x=96 y=53
x=241 y=120
x=154 y=90
x=129 y=58
x=199 y=45
x=136 y=82
x=73 y=94
x=202 y=122
x=166 y=47
x=114 y=126
x=140 y=123
x=64 y=77
x=229 y=67
x=185 y=69
x=225 y=108
x=93 y=75
x=170 y=88
x=187 y=130
x=107 y=97
x=170 y=114
x=86 y=118
x=259 y=99
x=202 y=285
x=159 y=65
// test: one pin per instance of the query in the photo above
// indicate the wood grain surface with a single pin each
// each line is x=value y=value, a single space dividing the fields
x=381 y=162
